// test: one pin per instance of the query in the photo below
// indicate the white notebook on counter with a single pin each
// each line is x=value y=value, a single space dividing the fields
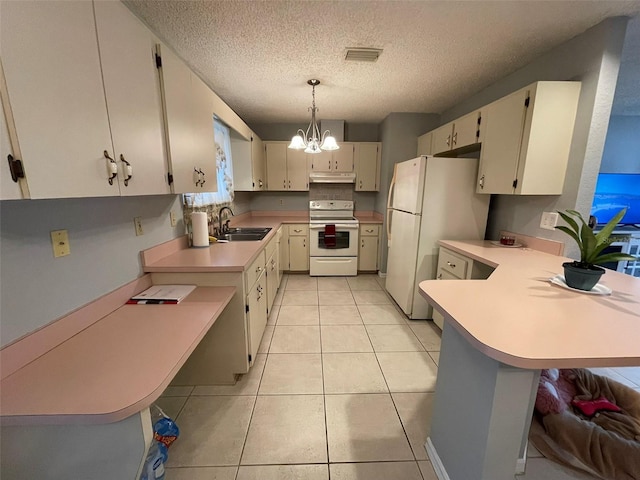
x=162 y=294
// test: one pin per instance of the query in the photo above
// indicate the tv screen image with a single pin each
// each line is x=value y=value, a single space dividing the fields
x=615 y=191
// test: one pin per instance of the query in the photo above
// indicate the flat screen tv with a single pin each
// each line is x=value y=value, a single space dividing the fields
x=615 y=191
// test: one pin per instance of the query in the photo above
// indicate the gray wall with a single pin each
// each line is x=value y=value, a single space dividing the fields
x=622 y=146
x=593 y=58
x=399 y=134
x=353 y=132
x=364 y=201
x=38 y=288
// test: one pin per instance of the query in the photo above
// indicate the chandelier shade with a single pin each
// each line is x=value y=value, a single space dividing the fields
x=311 y=140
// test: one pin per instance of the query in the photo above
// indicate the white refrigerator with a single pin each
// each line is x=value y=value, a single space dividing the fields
x=430 y=199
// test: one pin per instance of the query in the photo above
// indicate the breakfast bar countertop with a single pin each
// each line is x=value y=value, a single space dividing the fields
x=518 y=317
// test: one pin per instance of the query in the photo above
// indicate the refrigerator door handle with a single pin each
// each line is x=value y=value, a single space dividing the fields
x=391 y=187
x=389 y=209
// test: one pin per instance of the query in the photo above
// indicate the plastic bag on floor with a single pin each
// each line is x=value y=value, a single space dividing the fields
x=165 y=429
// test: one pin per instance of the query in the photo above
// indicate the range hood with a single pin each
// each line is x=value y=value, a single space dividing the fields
x=328 y=177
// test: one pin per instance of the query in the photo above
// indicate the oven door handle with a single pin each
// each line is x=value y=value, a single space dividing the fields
x=338 y=225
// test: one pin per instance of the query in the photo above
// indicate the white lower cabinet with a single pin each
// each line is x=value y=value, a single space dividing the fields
x=229 y=348
x=454 y=266
x=257 y=313
x=299 y=248
x=368 y=248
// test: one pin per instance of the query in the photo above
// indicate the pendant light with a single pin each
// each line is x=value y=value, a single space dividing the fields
x=311 y=140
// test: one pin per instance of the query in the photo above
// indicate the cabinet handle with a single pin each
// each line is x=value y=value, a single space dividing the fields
x=15 y=167
x=481 y=182
x=258 y=269
x=297 y=230
x=329 y=166
x=448 y=140
x=440 y=277
x=368 y=230
x=289 y=184
x=452 y=265
x=284 y=184
x=260 y=183
x=127 y=170
x=112 y=167
x=362 y=244
x=360 y=184
x=196 y=177
x=455 y=138
x=203 y=179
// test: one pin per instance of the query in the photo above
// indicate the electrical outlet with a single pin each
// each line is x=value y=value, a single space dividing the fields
x=549 y=220
x=173 y=218
x=60 y=242
x=137 y=221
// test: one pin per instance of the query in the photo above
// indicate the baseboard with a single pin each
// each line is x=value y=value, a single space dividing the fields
x=382 y=274
x=438 y=467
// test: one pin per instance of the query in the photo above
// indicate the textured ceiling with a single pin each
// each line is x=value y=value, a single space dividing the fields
x=258 y=55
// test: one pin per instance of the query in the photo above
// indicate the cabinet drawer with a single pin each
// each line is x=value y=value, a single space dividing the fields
x=369 y=230
x=299 y=230
x=453 y=263
x=255 y=270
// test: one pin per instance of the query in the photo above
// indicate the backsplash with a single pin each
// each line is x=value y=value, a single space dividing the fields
x=325 y=191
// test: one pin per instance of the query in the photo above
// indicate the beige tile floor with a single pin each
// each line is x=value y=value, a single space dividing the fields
x=342 y=389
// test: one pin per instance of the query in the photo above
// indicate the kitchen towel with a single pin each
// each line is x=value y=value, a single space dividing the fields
x=199 y=230
x=330 y=236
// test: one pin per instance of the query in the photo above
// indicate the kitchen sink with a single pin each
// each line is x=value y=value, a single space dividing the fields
x=245 y=234
x=264 y=230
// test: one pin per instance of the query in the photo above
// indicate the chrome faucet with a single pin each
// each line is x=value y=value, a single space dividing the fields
x=223 y=228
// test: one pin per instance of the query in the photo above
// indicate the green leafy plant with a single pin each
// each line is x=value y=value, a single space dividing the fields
x=591 y=245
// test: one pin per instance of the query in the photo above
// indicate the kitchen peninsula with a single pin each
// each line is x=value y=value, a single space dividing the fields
x=498 y=334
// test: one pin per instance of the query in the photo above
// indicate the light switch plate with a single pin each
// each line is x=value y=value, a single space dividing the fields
x=137 y=221
x=549 y=220
x=60 y=242
x=173 y=218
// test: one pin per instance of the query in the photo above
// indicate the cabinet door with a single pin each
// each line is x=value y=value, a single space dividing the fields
x=9 y=190
x=54 y=80
x=465 y=130
x=275 y=154
x=442 y=139
x=272 y=281
x=424 y=144
x=257 y=315
x=176 y=86
x=284 y=251
x=368 y=254
x=258 y=164
x=503 y=124
x=342 y=159
x=367 y=163
x=204 y=148
x=133 y=99
x=321 y=162
x=297 y=173
x=298 y=254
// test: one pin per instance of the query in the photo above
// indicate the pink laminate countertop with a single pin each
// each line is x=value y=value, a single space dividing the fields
x=518 y=317
x=221 y=257
x=114 y=368
x=232 y=256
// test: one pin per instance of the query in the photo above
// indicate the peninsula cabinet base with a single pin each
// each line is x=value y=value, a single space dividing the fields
x=481 y=415
x=62 y=452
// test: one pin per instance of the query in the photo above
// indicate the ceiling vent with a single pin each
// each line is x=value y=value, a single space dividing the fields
x=363 y=54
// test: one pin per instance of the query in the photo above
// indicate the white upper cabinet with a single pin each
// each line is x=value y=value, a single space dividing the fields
x=424 y=144
x=526 y=140
x=457 y=134
x=340 y=160
x=287 y=169
x=133 y=99
x=189 y=126
x=248 y=163
x=52 y=68
x=367 y=166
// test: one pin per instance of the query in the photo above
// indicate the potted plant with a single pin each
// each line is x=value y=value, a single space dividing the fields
x=585 y=274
